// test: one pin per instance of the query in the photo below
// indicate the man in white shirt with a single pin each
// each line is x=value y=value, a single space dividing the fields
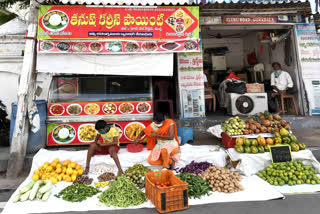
x=281 y=81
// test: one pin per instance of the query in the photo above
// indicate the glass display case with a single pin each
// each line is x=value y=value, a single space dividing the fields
x=75 y=103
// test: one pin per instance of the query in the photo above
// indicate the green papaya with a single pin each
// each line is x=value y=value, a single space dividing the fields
x=294 y=147
x=302 y=146
x=276 y=134
x=293 y=139
x=254 y=149
x=254 y=142
x=277 y=140
x=247 y=142
x=286 y=140
x=260 y=149
x=239 y=148
x=247 y=149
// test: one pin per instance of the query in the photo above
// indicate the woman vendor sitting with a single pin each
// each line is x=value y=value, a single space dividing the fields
x=162 y=139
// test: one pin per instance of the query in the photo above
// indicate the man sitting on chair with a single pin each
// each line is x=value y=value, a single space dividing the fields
x=280 y=81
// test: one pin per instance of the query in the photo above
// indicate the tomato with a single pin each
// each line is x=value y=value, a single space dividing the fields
x=157 y=183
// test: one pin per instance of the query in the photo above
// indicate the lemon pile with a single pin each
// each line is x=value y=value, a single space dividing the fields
x=57 y=171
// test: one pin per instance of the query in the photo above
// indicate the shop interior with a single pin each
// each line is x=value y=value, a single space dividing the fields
x=248 y=52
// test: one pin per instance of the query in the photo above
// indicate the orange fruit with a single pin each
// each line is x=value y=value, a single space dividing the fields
x=80 y=171
x=78 y=167
x=53 y=164
x=73 y=165
x=35 y=177
x=36 y=172
x=66 y=162
x=69 y=171
x=58 y=170
x=73 y=177
x=59 y=177
x=59 y=165
x=65 y=177
x=49 y=169
x=75 y=172
x=68 y=179
x=56 y=160
x=54 y=180
x=64 y=169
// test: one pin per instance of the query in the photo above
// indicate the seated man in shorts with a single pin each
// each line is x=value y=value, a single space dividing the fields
x=109 y=144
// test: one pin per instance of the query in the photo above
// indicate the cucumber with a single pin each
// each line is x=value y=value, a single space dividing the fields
x=46 y=187
x=28 y=187
x=46 y=195
x=34 y=190
x=39 y=195
x=17 y=198
x=25 y=196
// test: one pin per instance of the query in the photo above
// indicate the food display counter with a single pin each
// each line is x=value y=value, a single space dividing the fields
x=76 y=102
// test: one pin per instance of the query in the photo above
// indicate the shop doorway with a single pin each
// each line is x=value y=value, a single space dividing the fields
x=248 y=52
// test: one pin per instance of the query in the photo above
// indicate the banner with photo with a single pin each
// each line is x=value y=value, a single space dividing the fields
x=191 y=85
x=133 y=23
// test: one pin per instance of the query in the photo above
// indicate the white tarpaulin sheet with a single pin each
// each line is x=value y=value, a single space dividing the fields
x=250 y=164
x=133 y=65
x=217 y=131
x=255 y=189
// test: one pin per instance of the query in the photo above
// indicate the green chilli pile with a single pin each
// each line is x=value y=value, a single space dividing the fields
x=136 y=174
x=196 y=186
x=122 y=193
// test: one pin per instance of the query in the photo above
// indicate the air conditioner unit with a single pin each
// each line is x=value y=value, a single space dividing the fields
x=247 y=104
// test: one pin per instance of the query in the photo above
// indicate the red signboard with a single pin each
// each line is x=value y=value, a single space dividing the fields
x=99 y=108
x=59 y=134
x=249 y=20
x=134 y=23
x=118 y=46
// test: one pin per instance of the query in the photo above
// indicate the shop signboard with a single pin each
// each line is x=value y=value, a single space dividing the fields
x=122 y=23
x=309 y=55
x=191 y=85
x=249 y=20
x=99 y=108
x=59 y=134
x=118 y=46
x=280 y=153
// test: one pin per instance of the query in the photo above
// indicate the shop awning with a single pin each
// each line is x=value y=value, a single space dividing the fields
x=133 y=65
x=313 y=3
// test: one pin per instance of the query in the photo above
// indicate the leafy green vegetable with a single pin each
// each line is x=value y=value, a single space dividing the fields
x=122 y=193
x=196 y=186
x=77 y=192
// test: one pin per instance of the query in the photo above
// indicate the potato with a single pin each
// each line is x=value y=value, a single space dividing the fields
x=221 y=185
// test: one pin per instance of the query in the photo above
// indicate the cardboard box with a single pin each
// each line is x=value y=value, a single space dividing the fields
x=243 y=77
x=255 y=88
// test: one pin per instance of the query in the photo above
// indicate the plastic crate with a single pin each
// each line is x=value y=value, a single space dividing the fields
x=133 y=148
x=227 y=141
x=166 y=199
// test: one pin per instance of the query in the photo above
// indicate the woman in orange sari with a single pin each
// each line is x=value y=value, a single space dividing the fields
x=162 y=139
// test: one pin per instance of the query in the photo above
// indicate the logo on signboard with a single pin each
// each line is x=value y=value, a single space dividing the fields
x=179 y=21
x=55 y=20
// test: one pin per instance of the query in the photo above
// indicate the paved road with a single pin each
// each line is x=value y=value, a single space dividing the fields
x=293 y=204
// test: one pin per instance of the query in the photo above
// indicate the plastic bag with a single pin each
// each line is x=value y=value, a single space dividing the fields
x=236 y=87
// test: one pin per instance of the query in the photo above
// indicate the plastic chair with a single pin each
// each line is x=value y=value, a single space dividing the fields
x=209 y=95
x=288 y=97
x=164 y=89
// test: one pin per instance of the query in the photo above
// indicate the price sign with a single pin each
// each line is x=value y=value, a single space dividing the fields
x=281 y=153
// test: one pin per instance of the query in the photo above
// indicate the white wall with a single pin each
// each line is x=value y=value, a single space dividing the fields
x=9 y=87
x=234 y=57
x=277 y=55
